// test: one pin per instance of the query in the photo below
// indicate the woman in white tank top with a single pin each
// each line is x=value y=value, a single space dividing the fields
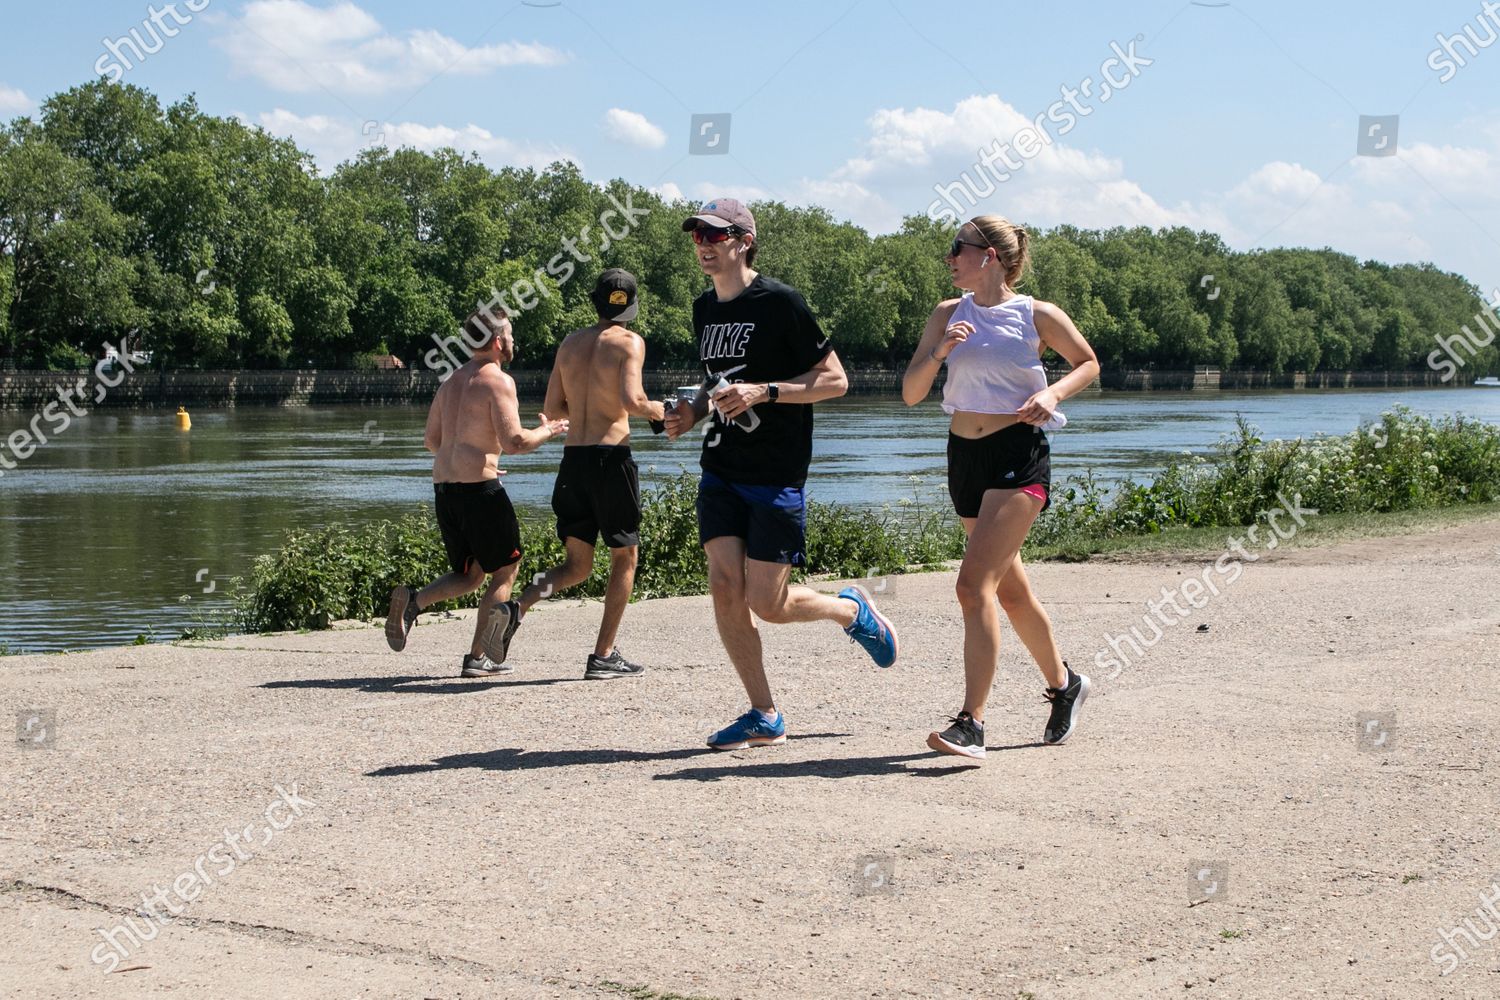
x=999 y=467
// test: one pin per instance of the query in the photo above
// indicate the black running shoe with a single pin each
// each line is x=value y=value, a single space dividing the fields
x=483 y=666
x=504 y=620
x=965 y=738
x=1066 y=702
x=401 y=617
x=602 y=668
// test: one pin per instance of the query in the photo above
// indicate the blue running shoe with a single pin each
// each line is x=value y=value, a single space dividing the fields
x=750 y=730
x=871 y=629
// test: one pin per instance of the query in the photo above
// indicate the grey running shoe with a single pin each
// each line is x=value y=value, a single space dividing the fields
x=504 y=620
x=483 y=666
x=601 y=668
x=401 y=618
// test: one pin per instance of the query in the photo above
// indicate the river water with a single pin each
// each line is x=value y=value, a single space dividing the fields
x=118 y=518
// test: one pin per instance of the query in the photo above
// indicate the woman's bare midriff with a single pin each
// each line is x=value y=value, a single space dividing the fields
x=976 y=425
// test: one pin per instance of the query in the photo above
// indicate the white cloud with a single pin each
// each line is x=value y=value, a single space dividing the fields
x=291 y=45
x=911 y=152
x=633 y=129
x=668 y=191
x=334 y=140
x=1431 y=202
x=15 y=102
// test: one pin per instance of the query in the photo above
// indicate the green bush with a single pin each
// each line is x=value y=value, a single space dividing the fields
x=1402 y=462
x=321 y=576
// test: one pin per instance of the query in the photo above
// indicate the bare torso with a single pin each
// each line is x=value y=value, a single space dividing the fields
x=592 y=365
x=467 y=406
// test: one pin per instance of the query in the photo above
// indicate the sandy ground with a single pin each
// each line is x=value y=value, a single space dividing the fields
x=542 y=836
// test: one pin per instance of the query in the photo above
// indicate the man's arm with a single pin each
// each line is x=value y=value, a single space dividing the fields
x=432 y=438
x=556 y=402
x=825 y=380
x=632 y=391
x=506 y=418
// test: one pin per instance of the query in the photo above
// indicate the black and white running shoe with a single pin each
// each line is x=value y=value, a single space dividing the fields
x=401 y=617
x=504 y=620
x=1066 y=701
x=965 y=738
x=483 y=666
x=602 y=668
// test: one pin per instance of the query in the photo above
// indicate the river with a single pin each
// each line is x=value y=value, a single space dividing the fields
x=117 y=519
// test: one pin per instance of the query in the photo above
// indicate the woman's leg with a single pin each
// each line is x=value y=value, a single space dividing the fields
x=1031 y=623
x=995 y=538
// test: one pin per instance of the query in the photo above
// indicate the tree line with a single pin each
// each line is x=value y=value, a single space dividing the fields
x=225 y=248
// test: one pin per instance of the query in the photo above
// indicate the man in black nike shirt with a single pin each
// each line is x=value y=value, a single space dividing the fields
x=760 y=337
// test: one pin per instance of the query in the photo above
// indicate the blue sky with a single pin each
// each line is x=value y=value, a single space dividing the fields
x=1245 y=122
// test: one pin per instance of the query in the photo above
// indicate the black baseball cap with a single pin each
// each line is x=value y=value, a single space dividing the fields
x=614 y=295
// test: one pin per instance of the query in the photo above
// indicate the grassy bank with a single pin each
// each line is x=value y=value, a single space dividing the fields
x=1393 y=473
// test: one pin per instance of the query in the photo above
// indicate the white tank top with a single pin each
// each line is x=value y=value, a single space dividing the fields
x=999 y=367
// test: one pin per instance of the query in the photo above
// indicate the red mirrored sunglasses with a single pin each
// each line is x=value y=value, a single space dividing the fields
x=713 y=234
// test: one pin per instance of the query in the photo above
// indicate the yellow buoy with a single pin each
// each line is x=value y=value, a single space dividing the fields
x=184 y=422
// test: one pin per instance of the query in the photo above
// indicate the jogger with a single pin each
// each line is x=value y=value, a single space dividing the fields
x=999 y=459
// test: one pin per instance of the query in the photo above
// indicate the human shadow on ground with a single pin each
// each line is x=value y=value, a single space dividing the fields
x=417 y=685
x=829 y=767
x=527 y=760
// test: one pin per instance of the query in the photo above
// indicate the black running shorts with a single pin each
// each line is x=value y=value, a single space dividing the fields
x=478 y=524
x=1008 y=459
x=598 y=491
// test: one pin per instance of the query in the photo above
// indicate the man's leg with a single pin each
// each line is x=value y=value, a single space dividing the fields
x=775 y=602
x=726 y=586
x=578 y=563
x=622 y=563
x=496 y=594
x=451 y=585
x=406 y=602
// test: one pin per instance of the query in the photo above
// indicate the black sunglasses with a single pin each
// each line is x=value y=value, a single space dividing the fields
x=958 y=245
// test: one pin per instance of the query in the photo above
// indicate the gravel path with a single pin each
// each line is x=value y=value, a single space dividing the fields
x=542 y=836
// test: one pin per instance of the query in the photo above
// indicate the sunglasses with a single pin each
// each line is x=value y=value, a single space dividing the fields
x=958 y=246
x=712 y=234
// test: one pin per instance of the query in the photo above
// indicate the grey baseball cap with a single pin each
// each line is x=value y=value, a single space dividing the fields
x=723 y=213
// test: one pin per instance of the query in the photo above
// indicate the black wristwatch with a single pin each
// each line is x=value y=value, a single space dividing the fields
x=773 y=391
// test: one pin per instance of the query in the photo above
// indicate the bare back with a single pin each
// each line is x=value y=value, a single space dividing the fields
x=467 y=410
x=598 y=371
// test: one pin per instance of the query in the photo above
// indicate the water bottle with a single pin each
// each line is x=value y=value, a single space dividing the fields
x=747 y=421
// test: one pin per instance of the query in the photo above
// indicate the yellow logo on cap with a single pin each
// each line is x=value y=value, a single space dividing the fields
x=618 y=298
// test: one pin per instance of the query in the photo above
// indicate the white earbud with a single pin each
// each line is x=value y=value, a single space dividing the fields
x=985 y=262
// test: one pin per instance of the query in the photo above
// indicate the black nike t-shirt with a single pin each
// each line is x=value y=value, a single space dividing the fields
x=764 y=334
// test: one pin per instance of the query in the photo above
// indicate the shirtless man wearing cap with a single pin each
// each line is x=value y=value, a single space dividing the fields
x=596 y=383
x=474 y=418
